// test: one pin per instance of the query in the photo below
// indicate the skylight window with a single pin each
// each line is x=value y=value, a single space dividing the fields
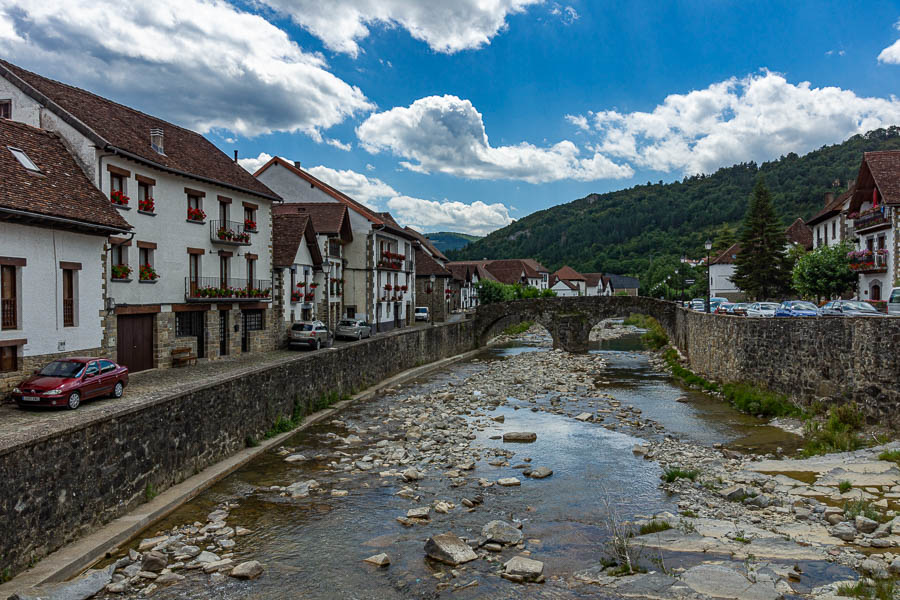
x=23 y=159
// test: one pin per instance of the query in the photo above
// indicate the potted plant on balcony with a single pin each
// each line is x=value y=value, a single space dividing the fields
x=313 y=285
x=148 y=273
x=119 y=198
x=309 y=296
x=121 y=272
x=388 y=287
x=242 y=237
x=249 y=225
x=196 y=214
x=147 y=205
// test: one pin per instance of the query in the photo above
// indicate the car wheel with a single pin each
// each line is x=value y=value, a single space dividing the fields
x=118 y=390
x=318 y=343
x=74 y=400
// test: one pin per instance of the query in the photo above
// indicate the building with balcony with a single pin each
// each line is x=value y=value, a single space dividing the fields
x=379 y=255
x=830 y=226
x=297 y=261
x=195 y=270
x=872 y=213
x=53 y=229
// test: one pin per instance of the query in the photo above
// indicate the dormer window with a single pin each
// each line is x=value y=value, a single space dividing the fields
x=24 y=160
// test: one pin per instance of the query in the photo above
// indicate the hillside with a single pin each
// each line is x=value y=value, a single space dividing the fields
x=622 y=231
x=449 y=240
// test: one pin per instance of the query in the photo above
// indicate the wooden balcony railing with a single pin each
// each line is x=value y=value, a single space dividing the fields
x=68 y=312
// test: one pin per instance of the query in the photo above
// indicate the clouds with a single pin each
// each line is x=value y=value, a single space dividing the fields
x=477 y=218
x=446 y=134
x=891 y=54
x=757 y=117
x=253 y=164
x=201 y=63
x=361 y=188
x=446 y=27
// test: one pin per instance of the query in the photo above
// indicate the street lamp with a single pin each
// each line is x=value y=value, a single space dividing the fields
x=681 y=272
x=326 y=268
x=431 y=299
x=708 y=246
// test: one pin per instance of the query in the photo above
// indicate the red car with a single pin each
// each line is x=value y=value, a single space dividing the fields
x=69 y=381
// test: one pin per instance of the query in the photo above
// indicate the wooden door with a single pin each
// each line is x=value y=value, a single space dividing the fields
x=9 y=296
x=223 y=333
x=135 y=344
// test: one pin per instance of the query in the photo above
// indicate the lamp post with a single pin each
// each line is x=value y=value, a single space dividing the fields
x=431 y=299
x=681 y=272
x=708 y=246
x=326 y=268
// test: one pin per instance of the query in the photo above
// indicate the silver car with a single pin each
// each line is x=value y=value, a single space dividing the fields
x=352 y=329
x=762 y=309
x=313 y=334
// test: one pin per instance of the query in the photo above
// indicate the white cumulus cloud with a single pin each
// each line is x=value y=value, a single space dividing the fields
x=446 y=26
x=253 y=164
x=757 y=117
x=367 y=190
x=891 y=54
x=346 y=147
x=476 y=218
x=446 y=134
x=201 y=63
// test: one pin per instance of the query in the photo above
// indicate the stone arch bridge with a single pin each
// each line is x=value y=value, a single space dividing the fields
x=570 y=319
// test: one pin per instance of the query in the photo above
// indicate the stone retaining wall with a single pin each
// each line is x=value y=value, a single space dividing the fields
x=63 y=485
x=836 y=359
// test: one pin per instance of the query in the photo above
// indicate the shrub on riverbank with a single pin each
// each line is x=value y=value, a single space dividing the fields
x=756 y=401
x=517 y=329
x=836 y=434
x=655 y=337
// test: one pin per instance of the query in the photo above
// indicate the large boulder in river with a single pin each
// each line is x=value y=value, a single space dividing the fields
x=519 y=436
x=527 y=569
x=501 y=532
x=450 y=549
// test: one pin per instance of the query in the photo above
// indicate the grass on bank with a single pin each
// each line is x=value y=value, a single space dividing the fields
x=517 y=329
x=882 y=590
x=673 y=474
x=654 y=526
x=654 y=336
x=837 y=434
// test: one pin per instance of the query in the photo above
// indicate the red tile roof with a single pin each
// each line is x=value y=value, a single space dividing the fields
x=885 y=169
x=327 y=218
x=798 y=233
x=832 y=208
x=60 y=190
x=593 y=279
x=476 y=267
x=114 y=126
x=509 y=271
x=554 y=280
x=426 y=266
x=570 y=274
x=289 y=230
x=727 y=257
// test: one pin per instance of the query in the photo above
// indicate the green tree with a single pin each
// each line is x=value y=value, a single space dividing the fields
x=725 y=239
x=760 y=268
x=824 y=272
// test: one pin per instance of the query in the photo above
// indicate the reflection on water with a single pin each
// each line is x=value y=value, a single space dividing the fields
x=313 y=548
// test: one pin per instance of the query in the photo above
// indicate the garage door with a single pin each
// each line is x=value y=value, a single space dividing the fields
x=135 y=344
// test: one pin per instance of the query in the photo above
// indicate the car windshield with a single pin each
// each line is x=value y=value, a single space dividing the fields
x=768 y=306
x=63 y=368
x=302 y=327
x=861 y=306
x=803 y=306
x=895 y=296
x=347 y=324
x=421 y=310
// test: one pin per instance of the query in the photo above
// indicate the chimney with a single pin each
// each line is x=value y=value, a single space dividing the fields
x=829 y=198
x=156 y=140
x=297 y=163
x=235 y=156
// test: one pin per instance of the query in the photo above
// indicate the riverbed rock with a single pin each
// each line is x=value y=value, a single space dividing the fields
x=247 y=570
x=526 y=568
x=206 y=557
x=86 y=586
x=583 y=417
x=450 y=549
x=733 y=492
x=301 y=489
x=294 y=458
x=509 y=481
x=519 y=436
x=541 y=473
x=412 y=474
x=719 y=581
x=168 y=578
x=876 y=569
x=154 y=562
x=844 y=531
x=420 y=512
x=379 y=560
x=501 y=532
x=864 y=524
x=218 y=565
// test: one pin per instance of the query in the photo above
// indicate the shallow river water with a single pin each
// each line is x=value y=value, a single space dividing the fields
x=313 y=547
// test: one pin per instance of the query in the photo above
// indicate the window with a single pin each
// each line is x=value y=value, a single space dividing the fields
x=253 y=320
x=68 y=277
x=351 y=312
x=189 y=323
x=195 y=207
x=24 y=160
x=10 y=297
x=120 y=268
x=116 y=183
x=106 y=366
x=224 y=270
x=334 y=247
x=146 y=256
x=92 y=369
x=9 y=359
x=251 y=270
x=250 y=218
x=5 y=109
x=223 y=214
x=194 y=267
x=833 y=229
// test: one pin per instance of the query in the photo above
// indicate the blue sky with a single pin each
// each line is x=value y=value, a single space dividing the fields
x=391 y=100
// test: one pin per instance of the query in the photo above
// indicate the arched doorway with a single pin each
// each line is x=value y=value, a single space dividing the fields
x=875 y=290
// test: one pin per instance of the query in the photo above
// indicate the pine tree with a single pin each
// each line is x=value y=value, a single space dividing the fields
x=725 y=238
x=760 y=268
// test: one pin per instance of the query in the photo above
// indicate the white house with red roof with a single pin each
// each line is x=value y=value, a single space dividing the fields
x=568 y=282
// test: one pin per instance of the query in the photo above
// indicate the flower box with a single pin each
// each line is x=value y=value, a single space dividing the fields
x=249 y=225
x=148 y=273
x=119 y=198
x=147 y=205
x=313 y=286
x=302 y=284
x=196 y=215
x=309 y=297
x=120 y=272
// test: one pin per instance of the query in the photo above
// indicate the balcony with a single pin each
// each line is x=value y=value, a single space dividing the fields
x=231 y=233
x=214 y=289
x=10 y=313
x=392 y=261
x=872 y=219
x=869 y=261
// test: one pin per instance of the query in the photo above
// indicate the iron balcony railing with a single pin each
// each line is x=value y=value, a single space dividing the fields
x=233 y=233
x=872 y=218
x=68 y=312
x=10 y=310
x=214 y=289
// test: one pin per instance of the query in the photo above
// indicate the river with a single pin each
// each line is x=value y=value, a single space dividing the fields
x=313 y=547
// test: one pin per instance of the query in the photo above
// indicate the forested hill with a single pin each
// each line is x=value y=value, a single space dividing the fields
x=618 y=232
x=450 y=240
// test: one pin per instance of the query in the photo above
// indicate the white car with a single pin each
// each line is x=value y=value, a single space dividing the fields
x=762 y=309
x=894 y=302
x=421 y=313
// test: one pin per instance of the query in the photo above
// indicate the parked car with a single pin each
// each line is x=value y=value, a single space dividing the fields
x=313 y=334
x=355 y=329
x=797 y=308
x=698 y=304
x=421 y=313
x=850 y=308
x=893 y=306
x=69 y=381
x=724 y=308
x=762 y=309
x=739 y=309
